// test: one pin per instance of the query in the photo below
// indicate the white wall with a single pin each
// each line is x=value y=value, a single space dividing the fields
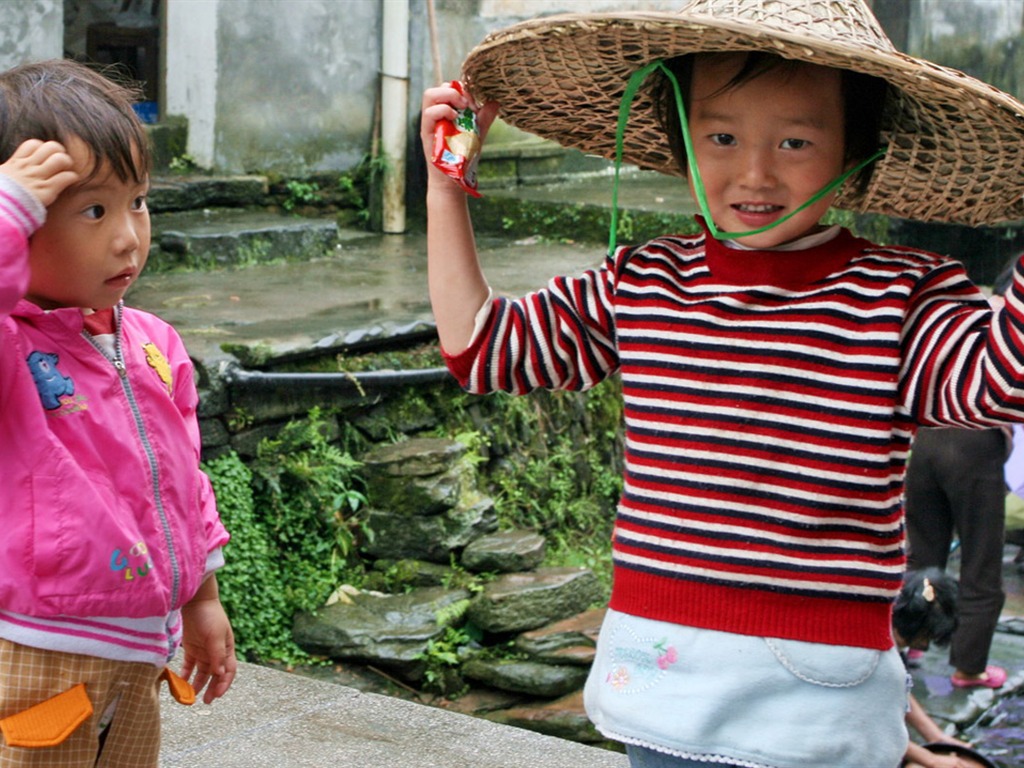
x=191 y=58
x=297 y=83
x=30 y=31
x=987 y=21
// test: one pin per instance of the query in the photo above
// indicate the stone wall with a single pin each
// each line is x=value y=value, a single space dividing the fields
x=452 y=603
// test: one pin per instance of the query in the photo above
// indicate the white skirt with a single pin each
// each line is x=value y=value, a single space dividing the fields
x=749 y=701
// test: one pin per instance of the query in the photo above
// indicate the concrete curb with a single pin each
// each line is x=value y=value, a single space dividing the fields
x=272 y=719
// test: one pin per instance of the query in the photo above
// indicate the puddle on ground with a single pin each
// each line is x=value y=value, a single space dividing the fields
x=1000 y=735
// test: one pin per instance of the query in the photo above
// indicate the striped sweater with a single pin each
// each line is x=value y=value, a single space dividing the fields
x=770 y=399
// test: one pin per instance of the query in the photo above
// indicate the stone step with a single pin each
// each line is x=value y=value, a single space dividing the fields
x=214 y=238
x=168 y=140
x=203 y=221
x=195 y=192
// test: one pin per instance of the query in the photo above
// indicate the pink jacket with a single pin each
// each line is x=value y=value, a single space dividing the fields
x=105 y=511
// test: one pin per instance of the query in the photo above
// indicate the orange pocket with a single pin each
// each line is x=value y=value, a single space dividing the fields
x=50 y=722
x=181 y=689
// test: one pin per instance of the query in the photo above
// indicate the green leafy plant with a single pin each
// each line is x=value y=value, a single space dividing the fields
x=442 y=659
x=476 y=442
x=443 y=656
x=183 y=164
x=553 y=463
x=296 y=551
x=252 y=586
x=300 y=193
x=309 y=494
x=238 y=418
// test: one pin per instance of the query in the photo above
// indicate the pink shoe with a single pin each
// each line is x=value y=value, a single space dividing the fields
x=994 y=678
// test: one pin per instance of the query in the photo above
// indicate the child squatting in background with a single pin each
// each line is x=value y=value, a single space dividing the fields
x=773 y=367
x=111 y=532
x=925 y=612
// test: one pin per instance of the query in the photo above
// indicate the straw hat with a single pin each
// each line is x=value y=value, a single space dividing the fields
x=956 y=145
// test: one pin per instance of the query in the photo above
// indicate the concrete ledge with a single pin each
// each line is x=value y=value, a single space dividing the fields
x=271 y=719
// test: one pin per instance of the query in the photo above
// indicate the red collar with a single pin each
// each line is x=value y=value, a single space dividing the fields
x=784 y=269
x=100 y=322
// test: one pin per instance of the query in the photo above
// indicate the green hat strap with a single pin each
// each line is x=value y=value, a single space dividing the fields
x=632 y=87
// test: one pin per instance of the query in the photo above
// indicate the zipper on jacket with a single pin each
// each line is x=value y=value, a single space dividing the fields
x=154 y=469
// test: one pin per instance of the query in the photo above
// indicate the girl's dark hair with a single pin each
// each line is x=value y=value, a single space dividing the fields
x=926 y=606
x=864 y=99
x=57 y=99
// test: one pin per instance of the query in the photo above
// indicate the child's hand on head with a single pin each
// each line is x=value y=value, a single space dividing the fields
x=44 y=168
x=443 y=103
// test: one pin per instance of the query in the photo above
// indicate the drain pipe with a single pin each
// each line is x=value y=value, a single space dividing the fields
x=394 y=99
x=366 y=383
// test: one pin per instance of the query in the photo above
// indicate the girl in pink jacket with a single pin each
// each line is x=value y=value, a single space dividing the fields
x=111 y=533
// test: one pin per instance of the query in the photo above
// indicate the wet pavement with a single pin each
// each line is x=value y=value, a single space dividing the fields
x=368 y=280
x=992 y=720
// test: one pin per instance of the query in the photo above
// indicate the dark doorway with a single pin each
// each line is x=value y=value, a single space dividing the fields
x=124 y=34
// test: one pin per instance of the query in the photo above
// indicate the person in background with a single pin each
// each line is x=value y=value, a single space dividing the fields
x=955 y=487
x=773 y=366
x=111 y=532
x=956 y=497
x=925 y=612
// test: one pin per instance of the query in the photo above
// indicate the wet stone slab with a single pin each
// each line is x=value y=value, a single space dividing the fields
x=368 y=281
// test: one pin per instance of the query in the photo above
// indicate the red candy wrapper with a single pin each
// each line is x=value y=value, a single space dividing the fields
x=457 y=147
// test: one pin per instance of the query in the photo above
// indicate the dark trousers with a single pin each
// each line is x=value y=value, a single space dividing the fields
x=955 y=485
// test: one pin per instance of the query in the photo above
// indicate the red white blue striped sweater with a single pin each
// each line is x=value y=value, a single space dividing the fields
x=770 y=398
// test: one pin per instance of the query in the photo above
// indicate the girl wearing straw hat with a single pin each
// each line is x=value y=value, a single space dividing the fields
x=773 y=369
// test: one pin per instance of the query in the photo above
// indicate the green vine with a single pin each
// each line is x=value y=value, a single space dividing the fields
x=295 y=552
x=307 y=490
x=252 y=586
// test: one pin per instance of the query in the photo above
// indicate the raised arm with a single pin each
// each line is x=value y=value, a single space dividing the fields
x=30 y=180
x=458 y=288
